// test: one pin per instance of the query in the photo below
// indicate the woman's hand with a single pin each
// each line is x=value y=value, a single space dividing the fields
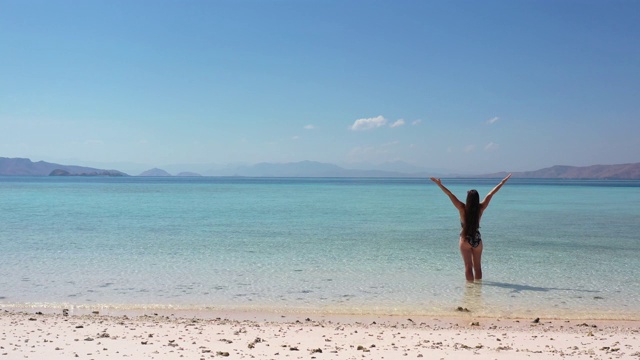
x=437 y=181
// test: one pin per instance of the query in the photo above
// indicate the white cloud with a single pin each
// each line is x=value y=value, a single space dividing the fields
x=296 y=137
x=469 y=148
x=397 y=123
x=493 y=120
x=491 y=147
x=368 y=123
x=416 y=122
x=310 y=127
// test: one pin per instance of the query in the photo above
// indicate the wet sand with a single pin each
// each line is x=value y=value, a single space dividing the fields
x=57 y=335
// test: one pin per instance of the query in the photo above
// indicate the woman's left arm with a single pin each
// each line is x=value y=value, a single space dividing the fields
x=487 y=199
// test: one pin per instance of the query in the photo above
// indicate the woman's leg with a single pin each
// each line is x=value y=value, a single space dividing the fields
x=476 y=257
x=467 y=257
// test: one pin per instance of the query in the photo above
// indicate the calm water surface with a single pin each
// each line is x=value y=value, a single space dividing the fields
x=366 y=246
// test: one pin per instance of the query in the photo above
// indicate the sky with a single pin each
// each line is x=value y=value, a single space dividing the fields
x=465 y=86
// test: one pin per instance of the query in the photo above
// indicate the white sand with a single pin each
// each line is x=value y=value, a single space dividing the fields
x=27 y=335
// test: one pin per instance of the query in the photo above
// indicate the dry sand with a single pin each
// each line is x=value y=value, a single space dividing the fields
x=34 y=335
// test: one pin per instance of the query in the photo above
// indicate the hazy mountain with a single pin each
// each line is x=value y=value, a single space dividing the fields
x=317 y=169
x=617 y=172
x=155 y=172
x=25 y=167
x=393 y=166
x=306 y=169
x=202 y=169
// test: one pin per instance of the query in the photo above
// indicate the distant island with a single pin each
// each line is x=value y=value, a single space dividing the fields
x=61 y=172
x=155 y=172
x=317 y=169
x=160 y=172
x=25 y=167
x=608 y=172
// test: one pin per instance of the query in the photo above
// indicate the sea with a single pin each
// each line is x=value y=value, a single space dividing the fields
x=566 y=249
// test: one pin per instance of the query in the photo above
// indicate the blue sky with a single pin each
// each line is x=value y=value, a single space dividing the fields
x=468 y=86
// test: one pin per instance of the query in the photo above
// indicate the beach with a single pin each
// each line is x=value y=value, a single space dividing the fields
x=237 y=335
x=314 y=269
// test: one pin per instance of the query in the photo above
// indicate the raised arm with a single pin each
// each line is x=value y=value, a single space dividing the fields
x=457 y=203
x=487 y=199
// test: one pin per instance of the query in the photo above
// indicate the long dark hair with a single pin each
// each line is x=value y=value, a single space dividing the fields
x=471 y=214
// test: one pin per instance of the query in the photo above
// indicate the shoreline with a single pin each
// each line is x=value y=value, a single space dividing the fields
x=94 y=335
x=208 y=312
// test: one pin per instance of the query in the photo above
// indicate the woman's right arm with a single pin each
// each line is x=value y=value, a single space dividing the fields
x=457 y=203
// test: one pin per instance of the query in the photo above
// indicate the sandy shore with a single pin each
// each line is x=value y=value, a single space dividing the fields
x=37 y=335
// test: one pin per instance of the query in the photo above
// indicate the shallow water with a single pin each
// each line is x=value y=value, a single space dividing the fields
x=366 y=246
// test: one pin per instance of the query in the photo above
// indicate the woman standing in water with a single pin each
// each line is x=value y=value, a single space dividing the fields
x=470 y=239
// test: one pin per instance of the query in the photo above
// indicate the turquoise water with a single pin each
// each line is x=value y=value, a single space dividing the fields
x=566 y=249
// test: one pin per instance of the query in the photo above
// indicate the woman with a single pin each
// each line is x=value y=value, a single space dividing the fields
x=470 y=239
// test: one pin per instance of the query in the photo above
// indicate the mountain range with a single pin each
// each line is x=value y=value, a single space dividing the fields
x=25 y=167
x=614 y=172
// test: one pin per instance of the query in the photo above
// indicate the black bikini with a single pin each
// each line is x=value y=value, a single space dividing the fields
x=474 y=241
